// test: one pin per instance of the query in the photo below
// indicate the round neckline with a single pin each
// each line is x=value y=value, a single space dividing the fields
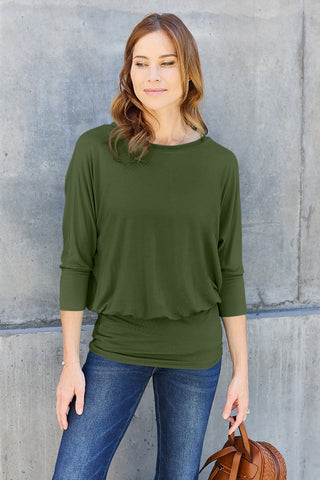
x=179 y=146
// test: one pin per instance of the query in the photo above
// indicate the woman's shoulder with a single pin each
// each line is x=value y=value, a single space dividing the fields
x=221 y=154
x=219 y=147
x=90 y=147
x=96 y=135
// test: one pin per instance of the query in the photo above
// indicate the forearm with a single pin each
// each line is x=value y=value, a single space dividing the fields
x=236 y=330
x=71 y=322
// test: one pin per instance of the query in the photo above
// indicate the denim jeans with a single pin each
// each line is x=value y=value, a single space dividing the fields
x=183 y=401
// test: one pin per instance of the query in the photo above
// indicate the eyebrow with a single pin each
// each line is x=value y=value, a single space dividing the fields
x=160 y=56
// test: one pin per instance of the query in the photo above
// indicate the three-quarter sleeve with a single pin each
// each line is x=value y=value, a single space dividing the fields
x=79 y=229
x=232 y=291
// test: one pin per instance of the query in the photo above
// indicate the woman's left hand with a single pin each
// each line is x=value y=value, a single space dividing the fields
x=237 y=397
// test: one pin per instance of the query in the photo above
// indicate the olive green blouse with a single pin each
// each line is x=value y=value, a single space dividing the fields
x=155 y=249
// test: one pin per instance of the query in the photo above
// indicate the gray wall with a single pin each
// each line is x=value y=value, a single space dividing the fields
x=60 y=64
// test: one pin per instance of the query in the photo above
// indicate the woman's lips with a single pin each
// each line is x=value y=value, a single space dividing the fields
x=154 y=92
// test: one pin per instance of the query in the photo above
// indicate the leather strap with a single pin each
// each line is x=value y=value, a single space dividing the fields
x=221 y=453
x=235 y=466
x=245 y=440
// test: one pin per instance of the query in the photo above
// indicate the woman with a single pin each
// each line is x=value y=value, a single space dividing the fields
x=152 y=243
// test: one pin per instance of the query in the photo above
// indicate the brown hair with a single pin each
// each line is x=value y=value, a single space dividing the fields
x=127 y=110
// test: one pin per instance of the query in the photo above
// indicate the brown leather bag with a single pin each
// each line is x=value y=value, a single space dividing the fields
x=244 y=459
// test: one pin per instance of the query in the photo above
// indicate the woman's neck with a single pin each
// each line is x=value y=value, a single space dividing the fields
x=172 y=131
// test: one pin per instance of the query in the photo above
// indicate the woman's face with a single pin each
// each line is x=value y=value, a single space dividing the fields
x=155 y=66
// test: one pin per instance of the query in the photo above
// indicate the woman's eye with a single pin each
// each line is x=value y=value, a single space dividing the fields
x=140 y=64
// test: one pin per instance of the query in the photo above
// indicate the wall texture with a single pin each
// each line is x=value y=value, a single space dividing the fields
x=60 y=64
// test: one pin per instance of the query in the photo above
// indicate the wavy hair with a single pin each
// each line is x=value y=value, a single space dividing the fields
x=127 y=110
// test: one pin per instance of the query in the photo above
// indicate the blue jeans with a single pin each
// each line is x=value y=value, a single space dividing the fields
x=183 y=401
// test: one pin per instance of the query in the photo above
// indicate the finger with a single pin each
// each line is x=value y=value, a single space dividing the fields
x=79 y=401
x=234 y=426
x=63 y=416
x=59 y=416
x=227 y=408
x=242 y=413
x=239 y=419
x=58 y=411
x=63 y=409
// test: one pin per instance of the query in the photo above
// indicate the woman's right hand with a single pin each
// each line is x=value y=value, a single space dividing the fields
x=72 y=382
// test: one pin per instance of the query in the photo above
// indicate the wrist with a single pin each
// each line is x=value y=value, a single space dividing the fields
x=66 y=363
x=240 y=371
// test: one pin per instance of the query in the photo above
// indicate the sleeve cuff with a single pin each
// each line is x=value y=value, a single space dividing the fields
x=73 y=289
x=233 y=298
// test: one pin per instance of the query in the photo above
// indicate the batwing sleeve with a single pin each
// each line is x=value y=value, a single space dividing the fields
x=232 y=291
x=79 y=229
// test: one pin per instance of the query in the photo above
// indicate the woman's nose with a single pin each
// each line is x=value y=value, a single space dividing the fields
x=153 y=72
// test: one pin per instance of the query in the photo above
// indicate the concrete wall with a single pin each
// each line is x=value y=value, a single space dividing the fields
x=284 y=397
x=60 y=64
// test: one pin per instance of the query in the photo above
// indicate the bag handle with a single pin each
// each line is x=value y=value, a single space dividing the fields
x=244 y=438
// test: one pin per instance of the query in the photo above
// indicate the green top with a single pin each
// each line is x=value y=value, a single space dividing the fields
x=154 y=248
